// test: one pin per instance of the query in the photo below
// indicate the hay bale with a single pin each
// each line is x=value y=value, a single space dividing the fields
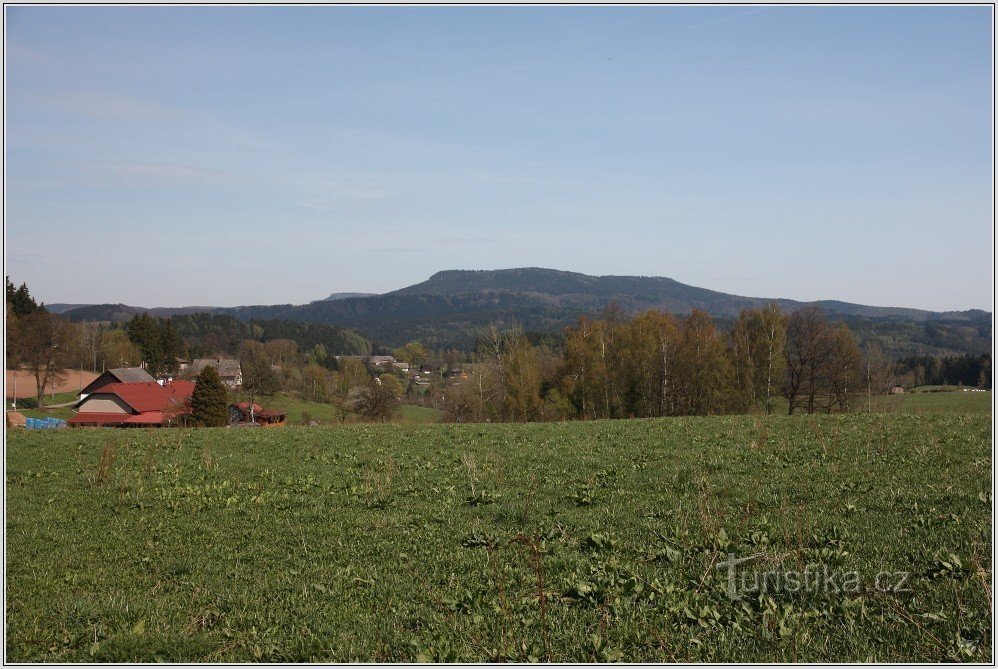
x=16 y=419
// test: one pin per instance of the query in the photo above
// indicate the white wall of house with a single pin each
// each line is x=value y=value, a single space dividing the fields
x=98 y=403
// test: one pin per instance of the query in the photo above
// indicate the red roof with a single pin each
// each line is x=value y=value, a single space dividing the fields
x=147 y=418
x=149 y=395
x=181 y=389
x=96 y=418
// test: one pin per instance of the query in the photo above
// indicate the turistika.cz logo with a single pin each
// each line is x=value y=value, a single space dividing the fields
x=813 y=579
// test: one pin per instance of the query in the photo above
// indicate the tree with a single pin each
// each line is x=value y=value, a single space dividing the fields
x=392 y=383
x=45 y=344
x=773 y=323
x=377 y=402
x=809 y=346
x=876 y=372
x=20 y=300
x=314 y=382
x=824 y=365
x=845 y=370
x=462 y=403
x=117 y=350
x=91 y=338
x=157 y=340
x=259 y=377
x=210 y=402
x=757 y=342
x=414 y=353
x=704 y=374
x=585 y=378
x=522 y=381
x=647 y=364
x=353 y=374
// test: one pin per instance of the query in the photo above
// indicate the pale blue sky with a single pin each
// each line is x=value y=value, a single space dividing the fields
x=175 y=156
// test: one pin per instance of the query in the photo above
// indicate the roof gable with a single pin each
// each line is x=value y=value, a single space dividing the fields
x=117 y=375
x=149 y=396
x=224 y=366
x=131 y=374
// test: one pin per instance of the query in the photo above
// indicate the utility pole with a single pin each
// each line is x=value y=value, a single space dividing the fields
x=15 y=391
x=54 y=347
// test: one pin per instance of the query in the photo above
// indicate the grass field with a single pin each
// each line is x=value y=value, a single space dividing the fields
x=59 y=398
x=411 y=413
x=938 y=402
x=297 y=409
x=563 y=542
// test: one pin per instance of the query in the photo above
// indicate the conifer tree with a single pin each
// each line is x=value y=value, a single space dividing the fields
x=209 y=403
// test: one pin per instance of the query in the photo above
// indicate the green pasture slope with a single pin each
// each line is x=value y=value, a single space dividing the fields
x=563 y=542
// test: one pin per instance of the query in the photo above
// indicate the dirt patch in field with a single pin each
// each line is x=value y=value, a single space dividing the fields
x=73 y=381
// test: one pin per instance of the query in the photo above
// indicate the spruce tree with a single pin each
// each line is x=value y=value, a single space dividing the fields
x=209 y=403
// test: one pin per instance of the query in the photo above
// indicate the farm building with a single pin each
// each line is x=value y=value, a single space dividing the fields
x=118 y=375
x=371 y=360
x=245 y=413
x=144 y=403
x=228 y=369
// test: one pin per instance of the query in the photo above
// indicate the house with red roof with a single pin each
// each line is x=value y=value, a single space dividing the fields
x=246 y=414
x=145 y=403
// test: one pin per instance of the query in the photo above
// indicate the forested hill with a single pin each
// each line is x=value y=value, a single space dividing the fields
x=222 y=333
x=451 y=308
x=639 y=292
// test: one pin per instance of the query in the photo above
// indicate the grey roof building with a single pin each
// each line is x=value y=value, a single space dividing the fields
x=228 y=369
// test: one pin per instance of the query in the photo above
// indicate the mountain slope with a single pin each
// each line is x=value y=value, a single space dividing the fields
x=451 y=307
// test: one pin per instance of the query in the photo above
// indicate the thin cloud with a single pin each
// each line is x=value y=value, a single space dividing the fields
x=109 y=106
x=724 y=19
x=166 y=171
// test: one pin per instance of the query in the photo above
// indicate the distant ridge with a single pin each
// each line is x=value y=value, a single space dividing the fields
x=344 y=296
x=451 y=307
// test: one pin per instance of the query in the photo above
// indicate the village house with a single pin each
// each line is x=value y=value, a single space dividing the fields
x=246 y=414
x=381 y=360
x=376 y=361
x=228 y=370
x=142 y=403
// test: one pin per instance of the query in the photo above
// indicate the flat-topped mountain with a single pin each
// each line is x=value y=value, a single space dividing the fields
x=451 y=307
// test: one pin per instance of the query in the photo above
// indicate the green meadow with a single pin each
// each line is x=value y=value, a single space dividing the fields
x=580 y=541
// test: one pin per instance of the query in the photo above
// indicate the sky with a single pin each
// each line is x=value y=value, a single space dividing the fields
x=168 y=156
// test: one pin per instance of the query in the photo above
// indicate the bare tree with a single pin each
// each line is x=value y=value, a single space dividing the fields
x=810 y=344
x=45 y=344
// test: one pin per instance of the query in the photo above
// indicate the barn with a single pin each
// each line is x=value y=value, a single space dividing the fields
x=117 y=375
x=143 y=404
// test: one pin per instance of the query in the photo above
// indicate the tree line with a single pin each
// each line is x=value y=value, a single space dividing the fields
x=965 y=370
x=608 y=365
x=657 y=364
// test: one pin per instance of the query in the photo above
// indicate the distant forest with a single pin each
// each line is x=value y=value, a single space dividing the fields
x=966 y=370
x=209 y=334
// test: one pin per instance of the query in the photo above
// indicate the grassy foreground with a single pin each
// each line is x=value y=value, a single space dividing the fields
x=567 y=542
